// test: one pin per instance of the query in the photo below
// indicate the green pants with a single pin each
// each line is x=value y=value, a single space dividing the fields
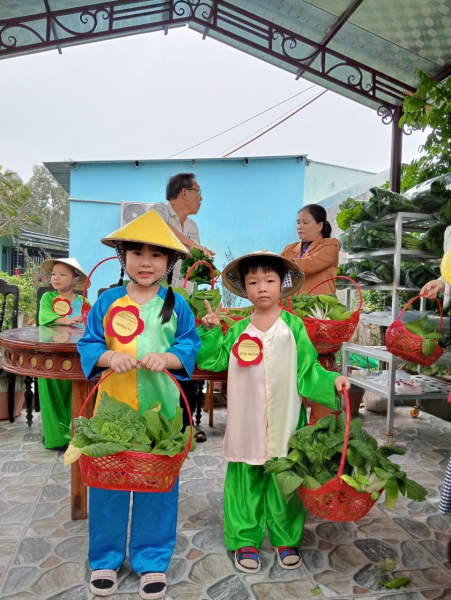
x=252 y=502
x=55 y=396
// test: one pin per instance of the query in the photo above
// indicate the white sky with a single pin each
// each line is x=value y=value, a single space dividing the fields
x=150 y=96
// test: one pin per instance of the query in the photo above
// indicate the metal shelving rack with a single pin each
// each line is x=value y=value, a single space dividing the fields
x=411 y=222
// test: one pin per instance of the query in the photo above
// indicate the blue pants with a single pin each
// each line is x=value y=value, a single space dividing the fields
x=152 y=532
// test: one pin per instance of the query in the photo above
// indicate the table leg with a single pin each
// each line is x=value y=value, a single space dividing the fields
x=29 y=400
x=199 y=400
x=79 y=494
x=209 y=399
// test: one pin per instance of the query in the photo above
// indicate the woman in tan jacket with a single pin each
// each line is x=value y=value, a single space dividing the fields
x=317 y=255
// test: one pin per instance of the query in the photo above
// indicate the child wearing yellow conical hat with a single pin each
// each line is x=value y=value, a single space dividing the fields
x=161 y=335
x=60 y=307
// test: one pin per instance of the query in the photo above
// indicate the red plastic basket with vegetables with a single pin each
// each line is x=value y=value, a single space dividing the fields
x=134 y=471
x=227 y=319
x=336 y=500
x=415 y=341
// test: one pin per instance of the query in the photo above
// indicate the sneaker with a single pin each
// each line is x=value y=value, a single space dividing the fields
x=246 y=560
x=152 y=586
x=288 y=557
x=103 y=582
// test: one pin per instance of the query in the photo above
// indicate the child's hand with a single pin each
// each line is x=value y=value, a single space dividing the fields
x=155 y=361
x=211 y=319
x=75 y=320
x=342 y=382
x=121 y=362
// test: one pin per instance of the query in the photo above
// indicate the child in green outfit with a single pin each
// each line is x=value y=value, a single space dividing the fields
x=61 y=307
x=271 y=364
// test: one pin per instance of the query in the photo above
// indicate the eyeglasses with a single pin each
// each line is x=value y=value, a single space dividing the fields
x=198 y=190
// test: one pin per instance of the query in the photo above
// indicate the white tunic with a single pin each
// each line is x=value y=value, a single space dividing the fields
x=263 y=403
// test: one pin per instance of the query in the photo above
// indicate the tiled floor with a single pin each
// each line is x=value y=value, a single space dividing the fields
x=43 y=554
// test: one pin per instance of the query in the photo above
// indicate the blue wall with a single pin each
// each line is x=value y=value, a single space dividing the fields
x=245 y=207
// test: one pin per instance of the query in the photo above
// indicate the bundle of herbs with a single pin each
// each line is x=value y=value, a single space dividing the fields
x=201 y=273
x=369 y=235
x=324 y=307
x=314 y=459
x=116 y=427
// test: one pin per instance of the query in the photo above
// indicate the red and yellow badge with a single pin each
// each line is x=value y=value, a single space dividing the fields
x=248 y=350
x=124 y=323
x=62 y=306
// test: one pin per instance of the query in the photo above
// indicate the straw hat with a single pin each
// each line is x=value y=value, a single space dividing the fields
x=47 y=267
x=445 y=267
x=231 y=273
x=149 y=228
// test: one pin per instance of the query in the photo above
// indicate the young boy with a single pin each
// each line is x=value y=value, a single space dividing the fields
x=271 y=364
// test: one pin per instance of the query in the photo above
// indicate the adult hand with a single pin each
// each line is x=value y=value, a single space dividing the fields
x=209 y=253
x=155 y=361
x=342 y=382
x=211 y=319
x=121 y=362
x=431 y=289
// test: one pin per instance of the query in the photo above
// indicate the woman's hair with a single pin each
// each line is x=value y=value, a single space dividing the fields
x=169 y=303
x=320 y=216
x=252 y=264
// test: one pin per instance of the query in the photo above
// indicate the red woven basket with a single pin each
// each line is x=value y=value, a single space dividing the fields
x=224 y=326
x=134 y=471
x=336 y=500
x=406 y=345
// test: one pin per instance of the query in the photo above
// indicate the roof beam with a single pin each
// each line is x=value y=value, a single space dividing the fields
x=335 y=29
x=109 y=19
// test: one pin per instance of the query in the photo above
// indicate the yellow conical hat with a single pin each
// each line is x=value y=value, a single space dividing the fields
x=149 y=228
x=445 y=267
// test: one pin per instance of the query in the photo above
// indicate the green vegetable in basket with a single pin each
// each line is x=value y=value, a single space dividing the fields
x=314 y=458
x=201 y=274
x=323 y=307
x=116 y=427
x=425 y=328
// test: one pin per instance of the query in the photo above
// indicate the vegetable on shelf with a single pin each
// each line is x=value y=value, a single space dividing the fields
x=116 y=427
x=369 y=235
x=314 y=459
x=426 y=329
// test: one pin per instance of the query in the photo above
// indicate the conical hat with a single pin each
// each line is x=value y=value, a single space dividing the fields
x=231 y=273
x=149 y=228
x=47 y=267
x=445 y=267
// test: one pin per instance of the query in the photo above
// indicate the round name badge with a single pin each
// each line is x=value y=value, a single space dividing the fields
x=248 y=350
x=124 y=323
x=62 y=306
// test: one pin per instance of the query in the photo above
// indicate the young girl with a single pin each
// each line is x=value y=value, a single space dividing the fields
x=147 y=250
x=61 y=307
x=271 y=363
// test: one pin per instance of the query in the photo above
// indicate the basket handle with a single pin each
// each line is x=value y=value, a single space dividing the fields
x=201 y=262
x=347 y=430
x=424 y=296
x=357 y=286
x=182 y=393
x=88 y=279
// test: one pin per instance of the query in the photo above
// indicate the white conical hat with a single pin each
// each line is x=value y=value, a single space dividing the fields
x=47 y=267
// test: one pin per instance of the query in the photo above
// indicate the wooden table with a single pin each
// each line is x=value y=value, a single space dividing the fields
x=51 y=353
x=210 y=378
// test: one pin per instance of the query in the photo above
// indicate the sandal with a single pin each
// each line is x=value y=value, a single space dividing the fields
x=200 y=436
x=152 y=586
x=246 y=560
x=103 y=582
x=289 y=557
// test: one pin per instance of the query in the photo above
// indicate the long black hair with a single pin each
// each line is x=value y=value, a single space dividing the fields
x=320 y=215
x=169 y=302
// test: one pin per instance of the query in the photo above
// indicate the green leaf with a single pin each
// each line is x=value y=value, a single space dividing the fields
x=352 y=482
x=391 y=493
x=394 y=584
x=279 y=465
x=310 y=483
x=288 y=482
x=386 y=451
x=387 y=565
x=316 y=591
x=153 y=425
x=103 y=449
x=415 y=491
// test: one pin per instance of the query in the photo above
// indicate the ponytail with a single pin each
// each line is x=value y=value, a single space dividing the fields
x=320 y=215
x=169 y=303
